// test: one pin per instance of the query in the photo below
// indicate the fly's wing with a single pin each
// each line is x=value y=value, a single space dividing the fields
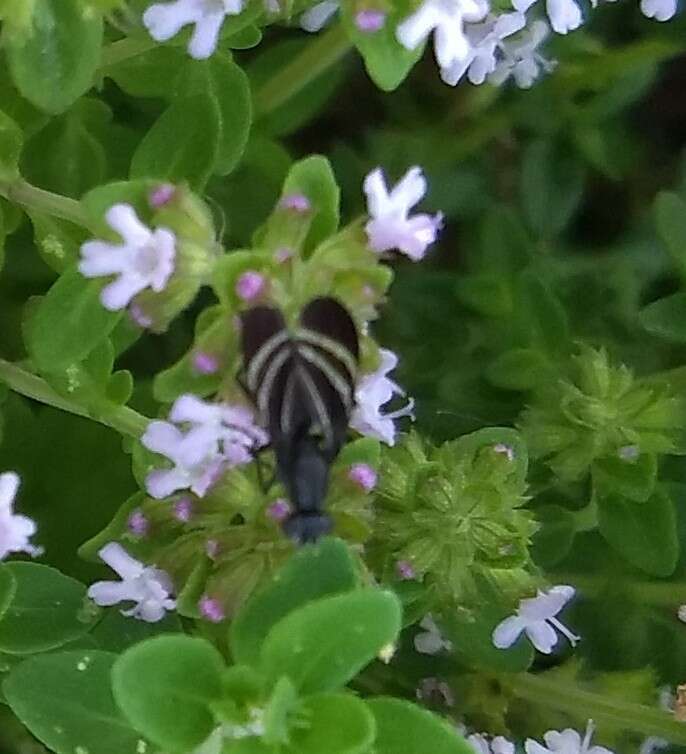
x=327 y=352
x=267 y=361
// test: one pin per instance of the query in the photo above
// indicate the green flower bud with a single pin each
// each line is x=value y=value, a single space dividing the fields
x=455 y=513
x=597 y=412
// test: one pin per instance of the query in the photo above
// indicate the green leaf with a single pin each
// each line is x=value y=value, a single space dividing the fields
x=543 y=319
x=64 y=157
x=8 y=588
x=182 y=144
x=226 y=84
x=311 y=573
x=69 y=322
x=324 y=644
x=47 y=610
x=150 y=73
x=386 y=60
x=554 y=539
x=631 y=479
x=58 y=241
x=165 y=685
x=117 y=632
x=643 y=533
x=489 y=437
x=65 y=700
x=314 y=178
x=11 y=142
x=404 y=727
x=670 y=218
x=666 y=317
x=336 y=724
x=53 y=60
x=519 y=369
x=551 y=187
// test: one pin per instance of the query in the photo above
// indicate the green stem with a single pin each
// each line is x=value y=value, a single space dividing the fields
x=569 y=698
x=658 y=594
x=318 y=56
x=121 y=418
x=34 y=198
x=123 y=49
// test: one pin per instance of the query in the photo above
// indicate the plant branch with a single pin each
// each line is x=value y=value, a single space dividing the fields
x=567 y=697
x=318 y=56
x=33 y=198
x=121 y=418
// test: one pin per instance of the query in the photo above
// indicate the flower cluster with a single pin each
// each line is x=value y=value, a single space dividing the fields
x=453 y=516
x=216 y=437
x=601 y=412
x=470 y=37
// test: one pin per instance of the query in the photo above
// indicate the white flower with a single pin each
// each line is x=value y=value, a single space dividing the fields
x=149 y=587
x=218 y=436
x=318 y=15
x=536 y=617
x=521 y=59
x=660 y=10
x=485 y=42
x=15 y=530
x=165 y=20
x=430 y=641
x=564 y=15
x=390 y=226
x=145 y=259
x=497 y=745
x=446 y=19
x=373 y=391
x=567 y=741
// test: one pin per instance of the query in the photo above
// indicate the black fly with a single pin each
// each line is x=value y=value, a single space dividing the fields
x=303 y=384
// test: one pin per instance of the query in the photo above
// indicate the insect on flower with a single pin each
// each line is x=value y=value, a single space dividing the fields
x=303 y=384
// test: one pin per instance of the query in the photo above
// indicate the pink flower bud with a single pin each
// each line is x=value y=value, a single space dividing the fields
x=205 y=363
x=161 y=195
x=250 y=285
x=211 y=609
x=279 y=510
x=405 y=570
x=137 y=523
x=370 y=20
x=295 y=202
x=183 y=509
x=363 y=475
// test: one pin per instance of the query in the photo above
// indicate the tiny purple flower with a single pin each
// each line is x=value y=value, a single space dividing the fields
x=405 y=570
x=161 y=195
x=250 y=285
x=363 y=475
x=370 y=20
x=138 y=524
x=283 y=254
x=211 y=609
x=212 y=548
x=505 y=450
x=183 y=509
x=295 y=202
x=205 y=363
x=279 y=510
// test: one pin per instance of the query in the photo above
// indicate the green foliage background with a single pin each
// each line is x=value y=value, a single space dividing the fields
x=563 y=257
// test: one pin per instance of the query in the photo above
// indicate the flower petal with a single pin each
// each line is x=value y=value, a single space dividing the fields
x=506 y=633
